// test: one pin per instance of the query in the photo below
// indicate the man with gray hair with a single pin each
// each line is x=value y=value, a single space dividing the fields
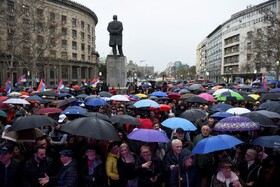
x=115 y=29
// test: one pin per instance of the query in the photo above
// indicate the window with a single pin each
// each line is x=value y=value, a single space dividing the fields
x=88 y=49
x=52 y=29
x=83 y=73
x=88 y=28
x=40 y=27
x=74 y=45
x=63 y=19
x=52 y=16
x=64 y=56
x=74 y=56
x=83 y=47
x=74 y=22
x=82 y=25
x=74 y=34
x=64 y=31
x=89 y=58
x=40 y=12
x=10 y=34
x=52 y=42
x=82 y=36
x=74 y=71
x=64 y=72
x=11 y=21
x=53 y=53
x=25 y=9
x=88 y=37
x=11 y=6
x=83 y=57
x=64 y=44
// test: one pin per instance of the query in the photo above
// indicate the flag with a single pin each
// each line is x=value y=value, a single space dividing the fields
x=60 y=86
x=264 y=77
x=20 y=79
x=8 y=86
x=94 y=81
x=41 y=86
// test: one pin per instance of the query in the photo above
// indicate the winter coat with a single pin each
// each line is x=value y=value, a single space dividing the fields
x=13 y=176
x=111 y=166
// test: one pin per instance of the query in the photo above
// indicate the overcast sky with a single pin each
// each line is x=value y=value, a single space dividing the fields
x=157 y=32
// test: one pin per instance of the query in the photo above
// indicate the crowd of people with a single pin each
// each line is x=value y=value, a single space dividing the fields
x=61 y=159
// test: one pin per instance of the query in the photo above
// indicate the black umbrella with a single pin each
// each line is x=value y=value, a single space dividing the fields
x=270 y=96
x=259 y=118
x=125 y=119
x=93 y=128
x=194 y=114
x=105 y=94
x=268 y=104
x=66 y=102
x=98 y=115
x=196 y=99
x=33 y=121
x=275 y=108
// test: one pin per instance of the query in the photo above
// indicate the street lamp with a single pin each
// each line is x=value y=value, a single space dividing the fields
x=277 y=65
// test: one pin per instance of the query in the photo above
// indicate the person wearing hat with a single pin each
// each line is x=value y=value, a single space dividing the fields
x=10 y=168
x=226 y=177
x=186 y=174
x=67 y=175
x=57 y=136
x=113 y=111
x=92 y=169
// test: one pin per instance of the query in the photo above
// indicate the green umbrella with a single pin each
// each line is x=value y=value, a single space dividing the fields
x=229 y=96
x=2 y=113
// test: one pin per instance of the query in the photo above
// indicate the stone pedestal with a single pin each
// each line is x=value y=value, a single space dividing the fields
x=116 y=72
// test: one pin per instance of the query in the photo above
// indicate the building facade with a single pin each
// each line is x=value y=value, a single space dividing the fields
x=49 y=39
x=228 y=48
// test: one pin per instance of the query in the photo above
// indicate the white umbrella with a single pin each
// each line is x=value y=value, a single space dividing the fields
x=16 y=101
x=119 y=98
x=221 y=91
x=14 y=94
x=238 y=110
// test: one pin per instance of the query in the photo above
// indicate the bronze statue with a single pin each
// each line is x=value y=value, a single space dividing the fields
x=115 y=29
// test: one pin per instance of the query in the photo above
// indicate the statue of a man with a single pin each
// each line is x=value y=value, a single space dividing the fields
x=115 y=29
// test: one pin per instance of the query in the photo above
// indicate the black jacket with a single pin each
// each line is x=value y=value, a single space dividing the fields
x=13 y=174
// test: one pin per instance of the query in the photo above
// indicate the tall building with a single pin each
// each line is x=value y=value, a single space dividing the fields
x=228 y=53
x=49 y=39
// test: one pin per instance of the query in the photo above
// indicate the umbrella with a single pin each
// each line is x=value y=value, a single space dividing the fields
x=16 y=101
x=14 y=94
x=146 y=103
x=196 y=99
x=74 y=110
x=34 y=98
x=215 y=143
x=119 y=98
x=270 y=96
x=207 y=97
x=272 y=141
x=32 y=121
x=248 y=98
x=158 y=94
x=174 y=95
x=267 y=104
x=219 y=91
x=62 y=95
x=254 y=96
x=186 y=95
x=195 y=87
x=49 y=110
x=224 y=96
x=26 y=135
x=269 y=114
x=2 y=113
x=90 y=97
x=148 y=135
x=98 y=115
x=275 y=108
x=238 y=110
x=177 y=122
x=221 y=115
x=260 y=118
x=236 y=123
x=4 y=106
x=48 y=93
x=3 y=98
x=66 y=102
x=95 y=102
x=141 y=95
x=125 y=119
x=92 y=127
x=221 y=107
x=105 y=94
x=184 y=91
x=194 y=114
x=81 y=96
x=164 y=107
x=275 y=90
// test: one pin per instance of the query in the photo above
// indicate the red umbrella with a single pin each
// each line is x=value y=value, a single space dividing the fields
x=164 y=107
x=4 y=106
x=3 y=98
x=146 y=123
x=49 y=110
x=76 y=87
x=174 y=95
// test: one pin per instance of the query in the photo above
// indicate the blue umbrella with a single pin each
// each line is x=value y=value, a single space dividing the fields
x=177 y=122
x=276 y=90
x=221 y=107
x=215 y=143
x=81 y=96
x=72 y=110
x=34 y=98
x=268 y=141
x=95 y=102
x=221 y=115
x=158 y=94
x=148 y=135
x=146 y=103
x=65 y=95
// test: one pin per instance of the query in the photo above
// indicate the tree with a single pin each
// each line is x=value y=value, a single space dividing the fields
x=192 y=72
x=263 y=45
x=31 y=29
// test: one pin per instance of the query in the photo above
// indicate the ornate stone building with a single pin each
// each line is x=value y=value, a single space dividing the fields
x=49 y=39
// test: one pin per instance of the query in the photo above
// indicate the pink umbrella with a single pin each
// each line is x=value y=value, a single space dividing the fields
x=207 y=97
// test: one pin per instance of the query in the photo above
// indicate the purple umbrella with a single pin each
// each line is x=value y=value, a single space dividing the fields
x=236 y=123
x=148 y=135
